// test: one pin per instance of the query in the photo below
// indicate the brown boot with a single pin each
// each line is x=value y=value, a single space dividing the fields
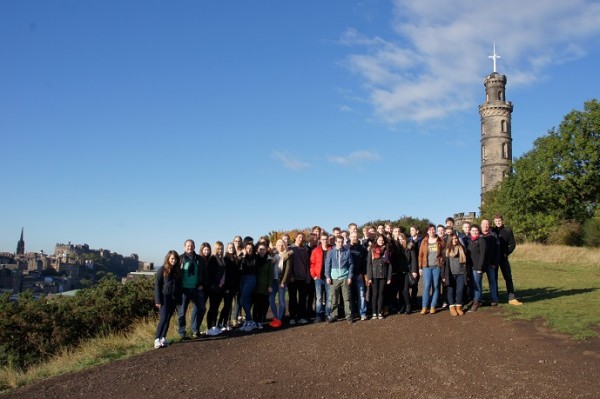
x=453 y=310
x=432 y=310
x=475 y=306
x=459 y=310
x=424 y=311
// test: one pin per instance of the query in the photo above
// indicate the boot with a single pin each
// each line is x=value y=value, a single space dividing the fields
x=453 y=310
x=475 y=306
x=432 y=310
x=459 y=310
x=424 y=311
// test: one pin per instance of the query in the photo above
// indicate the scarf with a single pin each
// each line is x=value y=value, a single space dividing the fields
x=457 y=251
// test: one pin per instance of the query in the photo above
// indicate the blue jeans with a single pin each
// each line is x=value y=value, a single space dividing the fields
x=320 y=285
x=359 y=284
x=247 y=285
x=492 y=276
x=278 y=312
x=196 y=298
x=455 y=289
x=477 y=277
x=431 y=279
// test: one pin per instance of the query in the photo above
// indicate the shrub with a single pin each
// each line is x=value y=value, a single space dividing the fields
x=591 y=233
x=567 y=233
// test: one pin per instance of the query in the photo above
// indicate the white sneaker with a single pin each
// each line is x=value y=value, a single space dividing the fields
x=302 y=321
x=164 y=343
x=157 y=344
x=251 y=326
x=228 y=328
x=363 y=317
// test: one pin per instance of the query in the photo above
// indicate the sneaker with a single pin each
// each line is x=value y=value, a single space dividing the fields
x=213 y=331
x=363 y=317
x=163 y=342
x=228 y=328
x=183 y=337
x=251 y=325
x=444 y=305
x=302 y=321
x=374 y=316
x=494 y=304
x=515 y=302
x=157 y=343
x=350 y=320
x=292 y=322
x=380 y=316
x=330 y=319
x=259 y=326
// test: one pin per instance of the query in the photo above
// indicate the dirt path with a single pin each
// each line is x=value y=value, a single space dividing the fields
x=478 y=355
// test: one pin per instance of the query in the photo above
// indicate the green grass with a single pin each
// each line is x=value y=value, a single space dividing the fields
x=558 y=284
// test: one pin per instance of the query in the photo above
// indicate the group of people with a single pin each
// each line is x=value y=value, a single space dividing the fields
x=328 y=277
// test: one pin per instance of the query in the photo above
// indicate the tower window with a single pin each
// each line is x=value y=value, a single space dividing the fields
x=505 y=150
x=504 y=126
x=483 y=153
x=482 y=179
x=501 y=95
x=487 y=97
x=483 y=129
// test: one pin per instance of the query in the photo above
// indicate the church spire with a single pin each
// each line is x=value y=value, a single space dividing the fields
x=21 y=244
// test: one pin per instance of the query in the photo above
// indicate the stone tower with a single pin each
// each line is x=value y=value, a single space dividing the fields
x=496 y=138
x=21 y=245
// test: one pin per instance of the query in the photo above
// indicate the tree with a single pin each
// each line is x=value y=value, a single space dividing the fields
x=558 y=180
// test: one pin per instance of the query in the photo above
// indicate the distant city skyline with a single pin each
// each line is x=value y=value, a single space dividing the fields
x=134 y=126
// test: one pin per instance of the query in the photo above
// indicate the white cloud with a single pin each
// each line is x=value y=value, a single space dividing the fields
x=436 y=63
x=355 y=158
x=289 y=161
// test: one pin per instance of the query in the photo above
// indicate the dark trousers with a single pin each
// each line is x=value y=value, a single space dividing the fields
x=310 y=298
x=378 y=285
x=507 y=276
x=297 y=299
x=225 y=315
x=414 y=290
x=260 y=307
x=165 y=312
x=214 y=299
x=455 y=289
x=405 y=304
x=391 y=292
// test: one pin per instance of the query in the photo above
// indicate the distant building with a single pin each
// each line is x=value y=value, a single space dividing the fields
x=21 y=244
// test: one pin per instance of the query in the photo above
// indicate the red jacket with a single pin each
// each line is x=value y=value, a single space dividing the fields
x=317 y=262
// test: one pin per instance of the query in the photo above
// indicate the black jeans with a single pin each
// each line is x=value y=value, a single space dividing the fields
x=297 y=299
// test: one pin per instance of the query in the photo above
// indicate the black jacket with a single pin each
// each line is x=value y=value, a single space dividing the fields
x=167 y=287
x=507 y=242
x=476 y=253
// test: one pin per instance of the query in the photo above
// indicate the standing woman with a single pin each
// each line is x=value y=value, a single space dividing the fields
x=454 y=274
x=247 y=285
x=205 y=253
x=216 y=283
x=476 y=256
x=231 y=287
x=167 y=295
x=264 y=282
x=430 y=261
x=408 y=269
x=379 y=273
x=282 y=270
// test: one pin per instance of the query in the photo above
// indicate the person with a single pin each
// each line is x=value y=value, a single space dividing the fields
x=454 y=275
x=215 y=288
x=508 y=244
x=282 y=272
x=409 y=270
x=231 y=286
x=313 y=242
x=430 y=262
x=297 y=287
x=317 y=273
x=359 y=258
x=476 y=257
x=194 y=276
x=167 y=295
x=205 y=253
x=264 y=284
x=379 y=273
x=338 y=272
x=492 y=259
x=415 y=238
x=247 y=285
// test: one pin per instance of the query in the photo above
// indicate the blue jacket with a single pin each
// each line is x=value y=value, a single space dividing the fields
x=339 y=263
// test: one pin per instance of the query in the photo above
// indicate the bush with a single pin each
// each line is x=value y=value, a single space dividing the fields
x=567 y=233
x=591 y=233
x=34 y=329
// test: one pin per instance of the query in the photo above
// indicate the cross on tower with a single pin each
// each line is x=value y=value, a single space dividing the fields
x=494 y=57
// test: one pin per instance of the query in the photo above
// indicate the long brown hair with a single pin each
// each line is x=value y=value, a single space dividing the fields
x=174 y=270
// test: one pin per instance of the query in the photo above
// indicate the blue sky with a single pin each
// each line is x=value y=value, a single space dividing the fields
x=135 y=125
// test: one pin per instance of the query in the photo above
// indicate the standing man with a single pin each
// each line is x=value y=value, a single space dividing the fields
x=492 y=259
x=507 y=246
x=317 y=272
x=299 y=282
x=359 y=258
x=416 y=239
x=338 y=271
x=194 y=274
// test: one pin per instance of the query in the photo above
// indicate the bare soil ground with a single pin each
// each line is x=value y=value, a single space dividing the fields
x=479 y=355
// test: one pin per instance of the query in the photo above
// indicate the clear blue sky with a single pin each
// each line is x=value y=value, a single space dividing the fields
x=134 y=125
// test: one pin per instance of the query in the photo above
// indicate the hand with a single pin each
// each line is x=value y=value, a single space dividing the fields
x=282 y=285
x=420 y=272
x=157 y=305
x=369 y=282
x=270 y=289
x=443 y=280
x=479 y=272
x=349 y=281
x=328 y=281
x=389 y=282
x=414 y=275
